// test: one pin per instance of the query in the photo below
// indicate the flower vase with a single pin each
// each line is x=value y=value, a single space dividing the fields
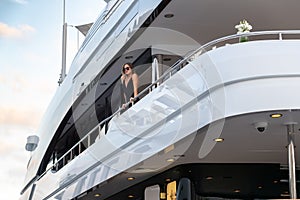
x=244 y=39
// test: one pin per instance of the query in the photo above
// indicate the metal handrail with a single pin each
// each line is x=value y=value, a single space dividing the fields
x=85 y=137
x=112 y=10
x=174 y=68
x=99 y=22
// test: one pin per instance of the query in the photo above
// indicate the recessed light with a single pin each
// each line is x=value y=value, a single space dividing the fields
x=130 y=196
x=237 y=190
x=169 y=15
x=130 y=178
x=209 y=178
x=143 y=170
x=276 y=115
x=170 y=160
x=284 y=195
x=275 y=181
x=162 y=195
x=259 y=187
x=97 y=195
x=219 y=139
x=168 y=179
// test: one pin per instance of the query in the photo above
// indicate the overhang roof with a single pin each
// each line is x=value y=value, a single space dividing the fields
x=84 y=28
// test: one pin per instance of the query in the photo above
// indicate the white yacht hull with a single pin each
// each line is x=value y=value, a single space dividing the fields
x=192 y=99
x=234 y=82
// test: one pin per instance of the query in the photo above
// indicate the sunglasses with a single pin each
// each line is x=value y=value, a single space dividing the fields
x=126 y=69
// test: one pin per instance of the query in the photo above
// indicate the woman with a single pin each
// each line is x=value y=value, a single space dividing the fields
x=129 y=84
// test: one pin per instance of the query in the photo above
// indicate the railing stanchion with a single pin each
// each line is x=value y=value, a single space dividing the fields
x=99 y=132
x=292 y=159
x=280 y=36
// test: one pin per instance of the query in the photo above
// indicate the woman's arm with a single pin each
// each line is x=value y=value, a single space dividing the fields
x=122 y=94
x=135 y=81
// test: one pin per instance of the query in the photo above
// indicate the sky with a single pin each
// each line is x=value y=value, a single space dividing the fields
x=30 y=64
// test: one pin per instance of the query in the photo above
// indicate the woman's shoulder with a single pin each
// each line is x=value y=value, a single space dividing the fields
x=122 y=77
x=134 y=75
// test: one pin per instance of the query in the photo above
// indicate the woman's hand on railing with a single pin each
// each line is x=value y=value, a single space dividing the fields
x=125 y=105
x=132 y=100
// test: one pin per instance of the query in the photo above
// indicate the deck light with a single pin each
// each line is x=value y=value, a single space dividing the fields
x=219 y=139
x=276 y=115
x=130 y=178
x=285 y=194
x=163 y=195
x=170 y=159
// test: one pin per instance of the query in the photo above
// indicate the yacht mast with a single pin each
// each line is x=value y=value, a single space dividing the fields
x=64 y=47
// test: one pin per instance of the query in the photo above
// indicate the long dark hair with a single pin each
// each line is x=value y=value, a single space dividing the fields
x=129 y=64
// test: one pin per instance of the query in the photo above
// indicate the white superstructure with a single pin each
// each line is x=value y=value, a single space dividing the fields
x=205 y=119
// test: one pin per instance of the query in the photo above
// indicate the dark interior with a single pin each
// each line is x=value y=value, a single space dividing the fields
x=224 y=181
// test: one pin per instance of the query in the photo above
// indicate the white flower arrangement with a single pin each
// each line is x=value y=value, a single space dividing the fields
x=243 y=27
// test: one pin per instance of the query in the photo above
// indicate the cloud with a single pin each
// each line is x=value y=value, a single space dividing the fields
x=15 y=82
x=19 y=32
x=6 y=148
x=19 y=116
x=22 y=97
x=33 y=57
x=21 y=1
x=13 y=139
x=14 y=160
x=2 y=79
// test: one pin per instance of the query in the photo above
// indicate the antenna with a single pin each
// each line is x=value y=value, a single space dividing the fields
x=64 y=47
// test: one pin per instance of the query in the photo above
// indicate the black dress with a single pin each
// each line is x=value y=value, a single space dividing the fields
x=126 y=92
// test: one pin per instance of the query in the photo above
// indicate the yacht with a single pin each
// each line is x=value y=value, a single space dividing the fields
x=218 y=112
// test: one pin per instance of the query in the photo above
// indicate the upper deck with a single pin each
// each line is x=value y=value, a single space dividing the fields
x=79 y=105
x=172 y=114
